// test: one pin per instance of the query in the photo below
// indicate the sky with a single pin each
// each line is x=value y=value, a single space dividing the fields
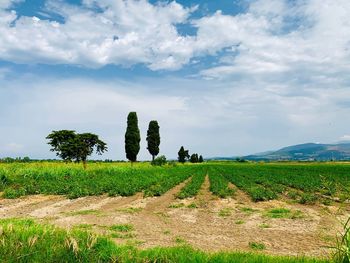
x=223 y=78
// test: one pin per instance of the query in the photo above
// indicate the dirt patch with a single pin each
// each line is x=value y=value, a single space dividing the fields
x=204 y=221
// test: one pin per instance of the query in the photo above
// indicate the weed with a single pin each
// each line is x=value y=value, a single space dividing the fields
x=283 y=213
x=129 y=210
x=192 y=205
x=179 y=240
x=247 y=210
x=85 y=212
x=307 y=198
x=83 y=227
x=122 y=228
x=239 y=222
x=257 y=246
x=225 y=212
x=342 y=248
x=179 y=205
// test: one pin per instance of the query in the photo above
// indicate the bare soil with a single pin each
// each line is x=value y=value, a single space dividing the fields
x=205 y=221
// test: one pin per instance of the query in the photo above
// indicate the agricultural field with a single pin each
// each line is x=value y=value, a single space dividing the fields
x=278 y=212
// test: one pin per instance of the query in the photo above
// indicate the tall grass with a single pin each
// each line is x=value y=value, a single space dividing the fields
x=342 y=248
x=26 y=241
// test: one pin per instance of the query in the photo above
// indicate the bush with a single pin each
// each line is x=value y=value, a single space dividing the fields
x=159 y=161
x=12 y=193
x=307 y=198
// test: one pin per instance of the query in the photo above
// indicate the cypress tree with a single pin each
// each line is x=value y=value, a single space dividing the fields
x=153 y=138
x=200 y=159
x=132 y=137
x=182 y=155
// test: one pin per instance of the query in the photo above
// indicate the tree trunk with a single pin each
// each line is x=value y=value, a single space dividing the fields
x=152 y=158
x=84 y=164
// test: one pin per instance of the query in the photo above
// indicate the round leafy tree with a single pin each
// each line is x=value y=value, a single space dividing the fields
x=71 y=146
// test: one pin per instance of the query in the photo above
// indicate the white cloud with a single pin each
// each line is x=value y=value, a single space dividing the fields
x=272 y=37
x=125 y=33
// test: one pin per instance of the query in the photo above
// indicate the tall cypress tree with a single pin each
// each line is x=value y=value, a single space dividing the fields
x=153 y=138
x=200 y=159
x=132 y=137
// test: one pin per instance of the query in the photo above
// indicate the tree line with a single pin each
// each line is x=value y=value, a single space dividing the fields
x=71 y=146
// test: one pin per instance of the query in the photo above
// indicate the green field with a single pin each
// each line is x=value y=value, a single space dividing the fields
x=305 y=183
x=23 y=240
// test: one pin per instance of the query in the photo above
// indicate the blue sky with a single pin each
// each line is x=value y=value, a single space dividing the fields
x=223 y=78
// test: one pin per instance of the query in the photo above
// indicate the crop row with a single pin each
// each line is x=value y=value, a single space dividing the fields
x=303 y=182
x=219 y=185
x=193 y=186
x=73 y=181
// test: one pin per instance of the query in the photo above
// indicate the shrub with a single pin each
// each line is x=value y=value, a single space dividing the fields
x=307 y=198
x=12 y=193
x=159 y=161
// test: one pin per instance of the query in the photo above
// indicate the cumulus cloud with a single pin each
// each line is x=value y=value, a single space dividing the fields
x=271 y=37
x=123 y=33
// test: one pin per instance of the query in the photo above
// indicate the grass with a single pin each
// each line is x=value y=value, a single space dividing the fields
x=284 y=213
x=192 y=205
x=27 y=241
x=342 y=247
x=83 y=226
x=180 y=241
x=257 y=246
x=178 y=205
x=122 y=228
x=247 y=210
x=264 y=225
x=84 y=212
x=129 y=210
x=225 y=212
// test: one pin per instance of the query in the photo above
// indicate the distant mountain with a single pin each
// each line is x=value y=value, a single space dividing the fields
x=306 y=152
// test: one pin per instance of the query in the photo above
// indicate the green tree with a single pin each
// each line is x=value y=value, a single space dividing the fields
x=132 y=137
x=200 y=159
x=153 y=138
x=71 y=146
x=194 y=158
x=183 y=155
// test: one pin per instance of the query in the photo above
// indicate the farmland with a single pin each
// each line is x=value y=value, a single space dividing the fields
x=284 y=209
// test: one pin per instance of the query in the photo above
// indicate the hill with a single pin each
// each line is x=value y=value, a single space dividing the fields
x=306 y=152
